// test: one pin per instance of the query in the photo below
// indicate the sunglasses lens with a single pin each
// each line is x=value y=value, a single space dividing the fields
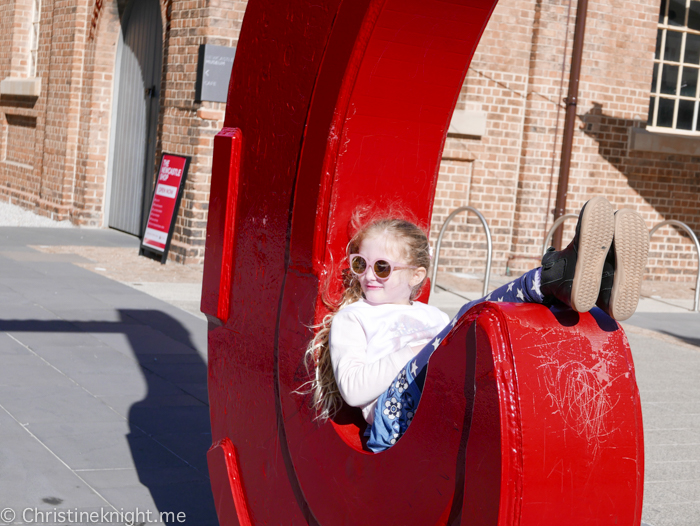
x=358 y=265
x=382 y=269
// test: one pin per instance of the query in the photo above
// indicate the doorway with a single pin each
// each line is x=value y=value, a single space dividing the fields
x=138 y=74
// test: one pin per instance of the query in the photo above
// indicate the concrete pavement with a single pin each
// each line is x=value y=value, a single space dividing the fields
x=103 y=403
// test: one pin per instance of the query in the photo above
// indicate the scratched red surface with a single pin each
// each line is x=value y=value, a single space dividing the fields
x=333 y=105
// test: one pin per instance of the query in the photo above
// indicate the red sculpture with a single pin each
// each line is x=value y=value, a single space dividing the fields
x=528 y=416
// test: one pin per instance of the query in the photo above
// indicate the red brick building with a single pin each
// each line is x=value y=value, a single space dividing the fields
x=65 y=73
x=66 y=66
x=517 y=82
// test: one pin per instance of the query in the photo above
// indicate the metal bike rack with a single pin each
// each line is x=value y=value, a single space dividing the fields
x=693 y=237
x=489 y=249
x=555 y=225
x=679 y=224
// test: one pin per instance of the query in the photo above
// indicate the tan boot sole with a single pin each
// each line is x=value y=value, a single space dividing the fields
x=631 y=252
x=595 y=237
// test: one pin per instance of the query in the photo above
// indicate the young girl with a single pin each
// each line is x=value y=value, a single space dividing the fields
x=372 y=351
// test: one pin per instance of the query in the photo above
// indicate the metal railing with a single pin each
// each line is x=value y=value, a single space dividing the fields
x=555 y=225
x=693 y=237
x=489 y=249
x=679 y=224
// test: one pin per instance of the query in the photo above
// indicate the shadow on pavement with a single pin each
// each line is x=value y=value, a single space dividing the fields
x=686 y=339
x=169 y=428
x=684 y=326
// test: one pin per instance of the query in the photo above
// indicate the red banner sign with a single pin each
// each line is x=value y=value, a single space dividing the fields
x=165 y=200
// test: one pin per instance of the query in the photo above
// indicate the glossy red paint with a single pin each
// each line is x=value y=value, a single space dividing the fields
x=556 y=431
x=221 y=227
x=343 y=104
x=223 y=462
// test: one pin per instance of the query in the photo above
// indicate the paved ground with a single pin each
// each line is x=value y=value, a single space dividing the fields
x=103 y=403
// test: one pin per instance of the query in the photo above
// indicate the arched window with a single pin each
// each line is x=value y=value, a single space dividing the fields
x=674 y=89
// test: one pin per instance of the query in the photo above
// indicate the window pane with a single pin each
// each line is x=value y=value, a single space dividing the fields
x=669 y=79
x=685 y=115
x=692 y=49
x=665 y=117
x=676 y=13
x=654 y=77
x=662 y=12
x=650 y=120
x=672 y=52
x=689 y=82
x=659 y=34
x=694 y=15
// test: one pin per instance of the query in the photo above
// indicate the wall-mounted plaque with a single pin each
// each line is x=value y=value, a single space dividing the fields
x=214 y=72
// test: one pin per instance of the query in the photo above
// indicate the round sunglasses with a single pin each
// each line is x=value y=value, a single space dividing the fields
x=381 y=267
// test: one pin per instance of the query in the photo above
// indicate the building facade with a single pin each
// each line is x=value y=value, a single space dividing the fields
x=75 y=73
x=92 y=92
x=640 y=58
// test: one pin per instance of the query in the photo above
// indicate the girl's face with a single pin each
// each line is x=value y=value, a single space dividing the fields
x=397 y=289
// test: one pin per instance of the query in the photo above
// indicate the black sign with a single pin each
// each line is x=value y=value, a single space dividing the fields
x=214 y=72
x=165 y=204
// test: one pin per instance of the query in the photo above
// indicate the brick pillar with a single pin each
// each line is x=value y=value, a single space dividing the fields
x=64 y=90
x=98 y=91
x=187 y=127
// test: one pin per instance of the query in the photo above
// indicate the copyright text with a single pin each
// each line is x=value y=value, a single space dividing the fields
x=103 y=516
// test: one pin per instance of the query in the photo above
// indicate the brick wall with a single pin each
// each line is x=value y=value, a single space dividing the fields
x=496 y=83
x=88 y=199
x=64 y=48
x=19 y=25
x=188 y=127
x=22 y=118
x=54 y=149
x=516 y=77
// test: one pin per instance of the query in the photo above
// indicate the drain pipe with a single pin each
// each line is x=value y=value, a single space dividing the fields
x=570 y=119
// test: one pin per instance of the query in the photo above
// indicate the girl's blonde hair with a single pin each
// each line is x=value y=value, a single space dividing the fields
x=415 y=250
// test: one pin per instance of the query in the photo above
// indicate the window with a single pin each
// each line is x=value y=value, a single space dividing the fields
x=674 y=89
x=22 y=80
x=34 y=37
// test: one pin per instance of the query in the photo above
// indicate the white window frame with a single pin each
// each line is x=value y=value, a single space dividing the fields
x=34 y=37
x=659 y=61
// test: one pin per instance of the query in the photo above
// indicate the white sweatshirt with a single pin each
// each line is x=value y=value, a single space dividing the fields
x=370 y=344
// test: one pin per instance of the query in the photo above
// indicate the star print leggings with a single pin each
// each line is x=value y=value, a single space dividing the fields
x=397 y=405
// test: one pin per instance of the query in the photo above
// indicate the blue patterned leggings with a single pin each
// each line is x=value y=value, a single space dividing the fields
x=397 y=405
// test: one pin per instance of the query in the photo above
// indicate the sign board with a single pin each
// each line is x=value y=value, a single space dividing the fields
x=165 y=204
x=214 y=72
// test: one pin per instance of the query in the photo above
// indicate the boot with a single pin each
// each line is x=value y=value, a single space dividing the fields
x=606 y=280
x=621 y=281
x=572 y=276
